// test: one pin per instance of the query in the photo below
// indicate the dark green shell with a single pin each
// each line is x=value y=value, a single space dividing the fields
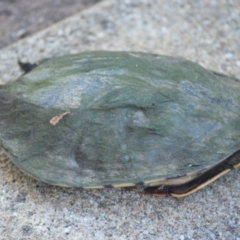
x=129 y=118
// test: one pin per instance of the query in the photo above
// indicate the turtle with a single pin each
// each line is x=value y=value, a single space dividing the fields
x=158 y=124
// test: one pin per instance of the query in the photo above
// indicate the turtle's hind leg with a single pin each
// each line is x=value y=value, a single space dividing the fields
x=200 y=181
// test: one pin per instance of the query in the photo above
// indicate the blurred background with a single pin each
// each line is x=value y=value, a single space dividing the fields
x=20 y=18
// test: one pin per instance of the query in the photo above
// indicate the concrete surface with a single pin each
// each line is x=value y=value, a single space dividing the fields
x=206 y=31
x=22 y=18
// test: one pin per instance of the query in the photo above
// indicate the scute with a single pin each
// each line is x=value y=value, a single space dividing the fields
x=134 y=117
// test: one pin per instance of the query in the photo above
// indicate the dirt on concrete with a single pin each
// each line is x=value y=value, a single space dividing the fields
x=20 y=18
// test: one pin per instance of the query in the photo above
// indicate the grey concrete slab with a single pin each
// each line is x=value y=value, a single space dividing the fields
x=204 y=31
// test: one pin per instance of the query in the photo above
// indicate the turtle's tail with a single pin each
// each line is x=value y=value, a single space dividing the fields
x=26 y=66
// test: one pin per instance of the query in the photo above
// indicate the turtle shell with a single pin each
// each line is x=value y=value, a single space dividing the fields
x=122 y=119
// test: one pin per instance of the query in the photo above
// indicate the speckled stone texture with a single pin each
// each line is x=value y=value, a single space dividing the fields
x=21 y=18
x=204 y=31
